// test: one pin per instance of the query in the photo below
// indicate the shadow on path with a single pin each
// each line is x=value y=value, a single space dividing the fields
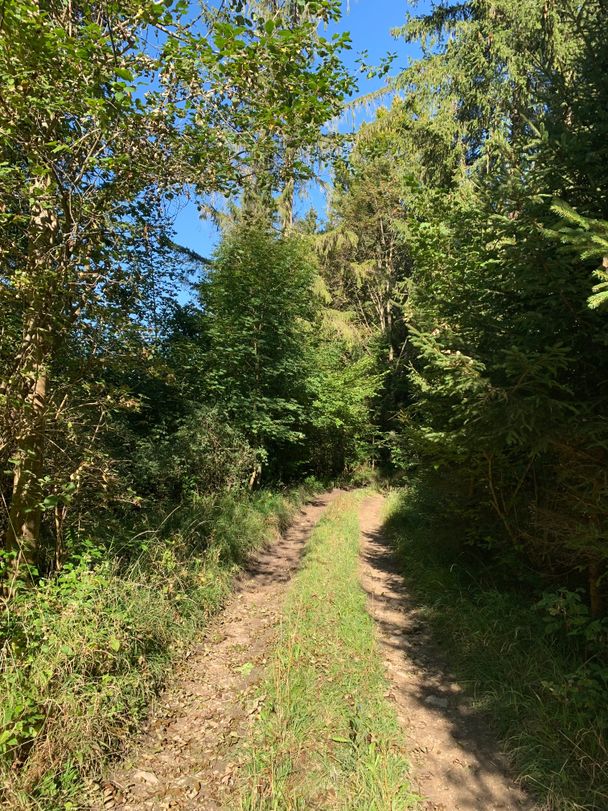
x=456 y=762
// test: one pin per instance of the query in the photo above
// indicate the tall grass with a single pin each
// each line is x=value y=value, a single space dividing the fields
x=84 y=653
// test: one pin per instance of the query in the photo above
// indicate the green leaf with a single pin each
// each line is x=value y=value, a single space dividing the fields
x=124 y=74
x=114 y=644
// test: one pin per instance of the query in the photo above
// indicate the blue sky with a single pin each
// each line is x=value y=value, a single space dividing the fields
x=369 y=23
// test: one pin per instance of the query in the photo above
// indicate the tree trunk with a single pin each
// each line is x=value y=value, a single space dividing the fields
x=31 y=386
x=596 y=596
x=25 y=512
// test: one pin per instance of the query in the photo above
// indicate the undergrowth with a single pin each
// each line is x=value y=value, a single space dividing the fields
x=84 y=652
x=327 y=736
x=524 y=656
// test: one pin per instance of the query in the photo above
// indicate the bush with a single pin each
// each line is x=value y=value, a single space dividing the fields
x=204 y=454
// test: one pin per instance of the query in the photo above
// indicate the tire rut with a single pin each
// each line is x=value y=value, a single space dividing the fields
x=187 y=756
x=456 y=762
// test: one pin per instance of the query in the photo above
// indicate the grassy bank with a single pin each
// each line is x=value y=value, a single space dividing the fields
x=83 y=653
x=327 y=738
x=538 y=685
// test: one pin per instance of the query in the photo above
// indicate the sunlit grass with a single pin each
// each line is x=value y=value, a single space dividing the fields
x=327 y=737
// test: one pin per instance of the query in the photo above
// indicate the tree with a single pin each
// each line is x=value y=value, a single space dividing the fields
x=94 y=99
x=508 y=359
x=259 y=304
x=365 y=261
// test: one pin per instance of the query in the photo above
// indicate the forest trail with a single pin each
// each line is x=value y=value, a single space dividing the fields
x=186 y=755
x=197 y=747
x=456 y=763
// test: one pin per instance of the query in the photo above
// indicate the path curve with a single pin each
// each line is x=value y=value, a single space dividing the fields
x=186 y=758
x=456 y=763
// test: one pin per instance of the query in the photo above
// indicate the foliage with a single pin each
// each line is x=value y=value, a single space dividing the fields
x=508 y=362
x=277 y=368
x=590 y=239
x=341 y=387
x=203 y=455
x=259 y=303
x=95 y=99
x=365 y=264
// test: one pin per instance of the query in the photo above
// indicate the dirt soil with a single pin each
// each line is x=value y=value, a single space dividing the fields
x=456 y=762
x=187 y=755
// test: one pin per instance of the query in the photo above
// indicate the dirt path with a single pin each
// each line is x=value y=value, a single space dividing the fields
x=455 y=761
x=186 y=756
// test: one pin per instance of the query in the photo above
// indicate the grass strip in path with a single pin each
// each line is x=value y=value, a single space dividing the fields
x=327 y=736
